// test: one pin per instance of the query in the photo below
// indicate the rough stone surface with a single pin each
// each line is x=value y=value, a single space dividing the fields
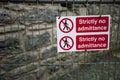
x=39 y=74
x=55 y=67
x=28 y=43
x=14 y=7
x=83 y=11
x=67 y=64
x=16 y=73
x=28 y=77
x=96 y=71
x=32 y=42
x=94 y=9
x=50 y=52
x=10 y=46
x=19 y=60
x=11 y=29
x=37 y=15
x=6 y=17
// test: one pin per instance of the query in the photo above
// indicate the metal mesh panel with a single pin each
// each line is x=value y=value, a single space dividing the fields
x=28 y=48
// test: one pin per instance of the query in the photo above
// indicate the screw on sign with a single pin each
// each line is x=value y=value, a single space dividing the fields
x=66 y=43
x=66 y=25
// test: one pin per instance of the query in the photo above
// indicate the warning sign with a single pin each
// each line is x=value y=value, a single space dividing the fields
x=79 y=33
x=66 y=25
x=92 y=24
x=88 y=42
x=66 y=43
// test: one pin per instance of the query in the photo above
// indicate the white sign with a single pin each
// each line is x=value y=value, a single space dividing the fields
x=79 y=33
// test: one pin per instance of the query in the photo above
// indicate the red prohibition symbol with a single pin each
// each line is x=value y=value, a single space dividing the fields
x=66 y=43
x=66 y=25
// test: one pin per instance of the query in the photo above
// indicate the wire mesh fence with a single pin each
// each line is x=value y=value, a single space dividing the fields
x=28 y=49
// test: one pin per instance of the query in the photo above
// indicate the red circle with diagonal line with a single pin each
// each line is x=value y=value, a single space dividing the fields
x=66 y=43
x=66 y=25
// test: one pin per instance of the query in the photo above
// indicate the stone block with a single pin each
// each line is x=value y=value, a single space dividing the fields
x=11 y=29
x=39 y=74
x=54 y=67
x=10 y=46
x=93 y=9
x=27 y=77
x=14 y=7
x=6 y=17
x=67 y=64
x=83 y=11
x=33 y=42
x=18 y=61
x=37 y=15
x=49 y=52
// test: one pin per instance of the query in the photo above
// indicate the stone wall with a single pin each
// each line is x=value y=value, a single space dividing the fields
x=28 y=48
